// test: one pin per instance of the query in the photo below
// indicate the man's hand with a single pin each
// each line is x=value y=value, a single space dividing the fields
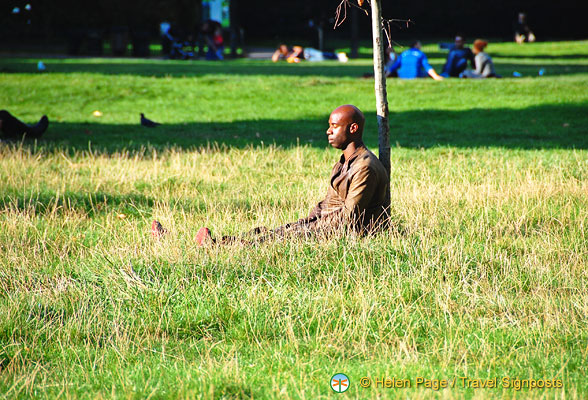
x=434 y=75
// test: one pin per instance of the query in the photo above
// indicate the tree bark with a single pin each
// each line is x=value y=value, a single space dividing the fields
x=380 y=87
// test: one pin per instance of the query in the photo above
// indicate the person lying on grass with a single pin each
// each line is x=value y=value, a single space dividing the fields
x=356 y=200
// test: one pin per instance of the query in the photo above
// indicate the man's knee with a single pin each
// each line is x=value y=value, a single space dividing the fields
x=461 y=65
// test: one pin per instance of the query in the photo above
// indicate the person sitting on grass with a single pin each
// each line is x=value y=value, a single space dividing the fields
x=213 y=34
x=390 y=57
x=356 y=200
x=412 y=64
x=457 y=59
x=522 y=31
x=13 y=128
x=484 y=64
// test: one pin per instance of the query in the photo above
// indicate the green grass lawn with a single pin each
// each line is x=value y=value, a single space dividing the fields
x=484 y=275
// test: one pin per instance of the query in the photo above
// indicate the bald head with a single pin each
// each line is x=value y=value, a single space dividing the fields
x=345 y=126
x=351 y=114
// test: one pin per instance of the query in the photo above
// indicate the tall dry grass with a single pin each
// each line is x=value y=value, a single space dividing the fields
x=484 y=274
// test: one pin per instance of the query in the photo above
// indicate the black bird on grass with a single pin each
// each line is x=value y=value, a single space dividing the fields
x=147 y=122
x=14 y=128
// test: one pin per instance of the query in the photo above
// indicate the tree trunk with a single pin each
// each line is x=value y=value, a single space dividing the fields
x=380 y=86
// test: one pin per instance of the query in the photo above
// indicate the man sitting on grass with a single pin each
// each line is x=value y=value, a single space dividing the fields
x=356 y=199
x=457 y=59
x=411 y=64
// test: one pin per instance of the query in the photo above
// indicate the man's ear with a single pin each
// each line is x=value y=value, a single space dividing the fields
x=353 y=127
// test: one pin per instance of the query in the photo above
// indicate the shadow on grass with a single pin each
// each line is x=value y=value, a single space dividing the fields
x=48 y=201
x=541 y=127
x=91 y=203
x=162 y=68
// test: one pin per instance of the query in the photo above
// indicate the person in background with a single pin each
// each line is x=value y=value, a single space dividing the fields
x=299 y=53
x=390 y=57
x=522 y=31
x=213 y=34
x=483 y=62
x=291 y=55
x=457 y=59
x=412 y=64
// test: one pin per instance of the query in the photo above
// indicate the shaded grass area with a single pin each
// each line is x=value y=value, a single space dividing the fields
x=542 y=127
x=546 y=112
x=483 y=275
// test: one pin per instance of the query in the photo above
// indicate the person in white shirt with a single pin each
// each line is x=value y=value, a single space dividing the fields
x=483 y=62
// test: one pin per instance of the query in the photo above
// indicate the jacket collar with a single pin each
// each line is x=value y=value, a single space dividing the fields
x=360 y=149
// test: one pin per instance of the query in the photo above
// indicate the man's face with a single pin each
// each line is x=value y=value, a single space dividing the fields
x=458 y=42
x=339 y=132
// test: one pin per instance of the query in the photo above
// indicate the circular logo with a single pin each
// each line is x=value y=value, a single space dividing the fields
x=340 y=383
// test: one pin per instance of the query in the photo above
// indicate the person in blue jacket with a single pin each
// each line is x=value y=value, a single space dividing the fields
x=457 y=59
x=412 y=64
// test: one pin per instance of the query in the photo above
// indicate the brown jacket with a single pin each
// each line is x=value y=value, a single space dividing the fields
x=356 y=196
x=356 y=199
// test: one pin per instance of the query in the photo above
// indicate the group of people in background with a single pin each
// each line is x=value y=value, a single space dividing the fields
x=177 y=44
x=413 y=63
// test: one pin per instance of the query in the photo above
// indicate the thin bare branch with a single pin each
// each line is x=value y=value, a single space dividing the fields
x=342 y=6
x=386 y=23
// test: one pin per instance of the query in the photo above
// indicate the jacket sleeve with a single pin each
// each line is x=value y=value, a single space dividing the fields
x=325 y=206
x=316 y=211
x=395 y=65
x=425 y=63
x=361 y=192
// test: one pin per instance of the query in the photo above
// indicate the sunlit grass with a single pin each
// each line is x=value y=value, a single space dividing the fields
x=484 y=274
